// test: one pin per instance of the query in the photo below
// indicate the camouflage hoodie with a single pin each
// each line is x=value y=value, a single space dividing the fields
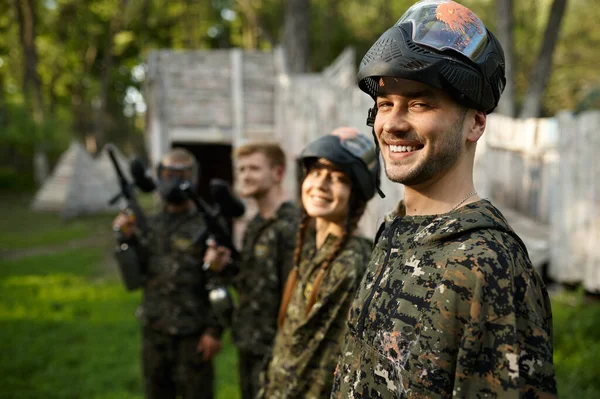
x=450 y=306
x=266 y=259
x=175 y=299
x=307 y=347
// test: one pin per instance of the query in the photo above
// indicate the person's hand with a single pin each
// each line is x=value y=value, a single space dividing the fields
x=216 y=257
x=208 y=346
x=124 y=223
x=345 y=132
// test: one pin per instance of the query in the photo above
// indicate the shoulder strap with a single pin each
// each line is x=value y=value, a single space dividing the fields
x=380 y=231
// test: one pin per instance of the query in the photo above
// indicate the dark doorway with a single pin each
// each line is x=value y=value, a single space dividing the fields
x=215 y=162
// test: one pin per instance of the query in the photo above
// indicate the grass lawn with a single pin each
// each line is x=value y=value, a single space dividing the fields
x=67 y=328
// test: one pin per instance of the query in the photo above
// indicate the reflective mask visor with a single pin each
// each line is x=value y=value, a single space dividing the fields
x=171 y=177
x=446 y=25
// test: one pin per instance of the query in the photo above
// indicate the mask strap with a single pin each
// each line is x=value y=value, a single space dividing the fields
x=371 y=122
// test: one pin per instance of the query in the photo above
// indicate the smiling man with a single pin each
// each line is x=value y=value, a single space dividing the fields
x=450 y=305
x=266 y=258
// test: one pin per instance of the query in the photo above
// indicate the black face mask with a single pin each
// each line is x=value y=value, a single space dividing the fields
x=170 y=190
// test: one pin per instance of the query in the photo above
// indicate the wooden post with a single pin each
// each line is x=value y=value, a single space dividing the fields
x=237 y=96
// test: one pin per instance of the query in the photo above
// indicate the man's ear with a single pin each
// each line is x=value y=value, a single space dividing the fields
x=475 y=122
x=279 y=171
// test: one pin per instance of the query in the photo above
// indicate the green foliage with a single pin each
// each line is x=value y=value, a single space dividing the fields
x=12 y=181
x=77 y=39
x=576 y=345
x=20 y=137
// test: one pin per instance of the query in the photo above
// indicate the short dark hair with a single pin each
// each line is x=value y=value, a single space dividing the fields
x=272 y=151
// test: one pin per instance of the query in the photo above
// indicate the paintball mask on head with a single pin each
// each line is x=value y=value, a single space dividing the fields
x=443 y=44
x=356 y=156
x=175 y=179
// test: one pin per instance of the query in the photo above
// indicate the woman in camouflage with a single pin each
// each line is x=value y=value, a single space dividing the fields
x=329 y=261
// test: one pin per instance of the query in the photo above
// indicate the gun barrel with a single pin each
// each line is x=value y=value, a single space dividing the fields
x=126 y=191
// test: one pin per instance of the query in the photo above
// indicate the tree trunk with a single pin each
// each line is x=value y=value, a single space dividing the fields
x=328 y=28
x=32 y=84
x=541 y=72
x=505 y=24
x=107 y=61
x=297 y=35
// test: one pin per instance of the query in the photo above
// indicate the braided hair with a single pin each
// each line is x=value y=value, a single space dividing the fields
x=356 y=208
x=292 y=279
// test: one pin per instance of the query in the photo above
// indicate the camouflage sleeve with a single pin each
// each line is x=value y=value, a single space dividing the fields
x=286 y=246
x=140 y=242
x=506 y=346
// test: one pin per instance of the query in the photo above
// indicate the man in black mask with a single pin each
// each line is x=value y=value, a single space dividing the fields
x=180 y=332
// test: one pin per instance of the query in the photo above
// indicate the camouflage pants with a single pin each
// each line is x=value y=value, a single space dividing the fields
x=250 y=367
x=172 y=367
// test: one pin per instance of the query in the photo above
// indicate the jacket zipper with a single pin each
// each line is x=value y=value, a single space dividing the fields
x=365 y=309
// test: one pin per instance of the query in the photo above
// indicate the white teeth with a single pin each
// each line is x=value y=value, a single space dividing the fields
x=402 y=148
x=320 y=199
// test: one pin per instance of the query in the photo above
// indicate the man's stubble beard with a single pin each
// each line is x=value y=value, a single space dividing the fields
x=430 y=168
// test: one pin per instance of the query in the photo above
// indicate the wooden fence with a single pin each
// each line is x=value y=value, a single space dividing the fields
x=545 y=170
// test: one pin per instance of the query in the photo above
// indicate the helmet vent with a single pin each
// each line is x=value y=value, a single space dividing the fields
x=370 y=86
x=385 y=49
x=468 y=82
x=413 y=64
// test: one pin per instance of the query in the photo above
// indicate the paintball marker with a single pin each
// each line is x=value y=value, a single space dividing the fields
x=127 y=192
x=216 y=228
x=130 y=266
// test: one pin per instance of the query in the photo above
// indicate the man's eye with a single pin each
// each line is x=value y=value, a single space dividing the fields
x=420 y=105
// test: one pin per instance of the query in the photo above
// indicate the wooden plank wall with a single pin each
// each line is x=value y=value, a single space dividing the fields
x=546 y=169
x=575 y=238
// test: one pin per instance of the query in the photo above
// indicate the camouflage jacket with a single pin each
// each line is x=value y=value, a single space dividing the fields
x=175 y=300
x=450 y=306
x=306 y=348
x=266 y=259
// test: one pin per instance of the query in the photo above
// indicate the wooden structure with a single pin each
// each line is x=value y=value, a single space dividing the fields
x=218 y=96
